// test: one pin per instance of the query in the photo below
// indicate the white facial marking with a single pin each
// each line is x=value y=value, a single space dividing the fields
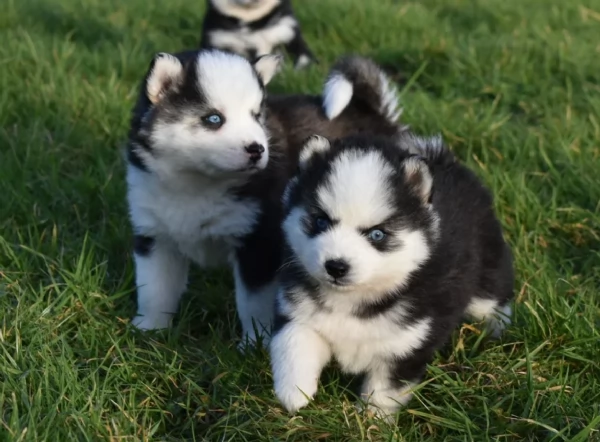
x=231 y=89
x=245 y=10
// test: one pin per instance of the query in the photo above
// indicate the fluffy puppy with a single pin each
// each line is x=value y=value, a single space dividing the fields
x=252 y=28
x=386 y=252
x=209 y=155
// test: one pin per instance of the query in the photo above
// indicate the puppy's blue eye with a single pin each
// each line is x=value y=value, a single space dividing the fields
x=213 y=120
x=321 y=223
x=376 y=235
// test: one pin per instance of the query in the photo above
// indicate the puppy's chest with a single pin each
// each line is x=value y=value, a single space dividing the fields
x=356 y=343
x=262 y=40
x=188 y=219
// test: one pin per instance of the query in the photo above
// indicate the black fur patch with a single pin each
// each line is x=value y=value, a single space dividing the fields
x=143 y=245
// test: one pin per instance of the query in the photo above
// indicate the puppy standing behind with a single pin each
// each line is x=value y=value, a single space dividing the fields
x=209 y=156
x=386 y=252
x=252 y=28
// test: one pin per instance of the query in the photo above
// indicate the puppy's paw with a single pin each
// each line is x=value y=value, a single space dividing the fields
x=294 y=397
x=152 y=322
x=303 y=61
x=387 y=415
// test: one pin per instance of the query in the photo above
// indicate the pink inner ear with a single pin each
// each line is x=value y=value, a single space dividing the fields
x=165 y=72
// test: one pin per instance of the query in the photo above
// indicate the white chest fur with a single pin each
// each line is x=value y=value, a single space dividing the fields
x=198 y=220
x=263 y=41
x=357 y=343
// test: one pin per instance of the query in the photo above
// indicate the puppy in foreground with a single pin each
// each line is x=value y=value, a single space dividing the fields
x=386 y=252
x=252 y=28
x=209 y=155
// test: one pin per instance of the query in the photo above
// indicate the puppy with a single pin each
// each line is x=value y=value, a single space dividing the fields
x=252 y=28
x=386 y=251
x=209 y=155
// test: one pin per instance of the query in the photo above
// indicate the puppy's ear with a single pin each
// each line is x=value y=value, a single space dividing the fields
x=418 y=178
x=267 y=66
x=313 y=145
x=165 y=72
x=285 y=199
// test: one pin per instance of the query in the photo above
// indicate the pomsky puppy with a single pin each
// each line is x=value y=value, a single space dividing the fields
x=252 y=28
x=209 y=155
x=386 y=252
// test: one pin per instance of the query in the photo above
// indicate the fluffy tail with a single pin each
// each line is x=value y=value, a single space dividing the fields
x=432 y=148
x=359 y=78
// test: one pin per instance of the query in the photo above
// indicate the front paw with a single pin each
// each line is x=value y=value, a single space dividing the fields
x=152 y=322
x=303 y=61
x=294 y=397
x=385 y=414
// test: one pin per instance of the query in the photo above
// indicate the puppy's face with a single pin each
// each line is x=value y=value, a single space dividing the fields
x=206 y=114
x=247 y=10
x=359 y=216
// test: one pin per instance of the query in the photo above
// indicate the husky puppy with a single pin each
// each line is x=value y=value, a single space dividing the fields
x=253 y=28
x=386 y=252
x=209 y=155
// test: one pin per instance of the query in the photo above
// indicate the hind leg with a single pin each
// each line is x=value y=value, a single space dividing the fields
x=496 y=316
x=255 y=307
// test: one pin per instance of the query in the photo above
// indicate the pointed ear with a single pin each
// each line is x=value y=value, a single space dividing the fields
x=267 y=66
x=165 y=71
x=418 y=177
x=312 y=145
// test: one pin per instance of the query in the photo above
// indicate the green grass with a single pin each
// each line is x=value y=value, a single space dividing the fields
x=512 y=84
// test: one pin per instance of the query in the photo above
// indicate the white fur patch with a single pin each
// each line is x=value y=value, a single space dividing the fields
x=313 y=145
x=267 y=66
x=337 y=94
x=390 y=106
x=301 y=349
x=245 y=10
x=187 y=224
x=302 y=62
x=161 y=278
x=496 y=318
x=166 y=70
x=298 y=355
x=262 y=41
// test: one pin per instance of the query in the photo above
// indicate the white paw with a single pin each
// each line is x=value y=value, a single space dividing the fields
x=385 y=414
x=302 y=62
x=294 y=397
x=154 y=322
x=495 y=324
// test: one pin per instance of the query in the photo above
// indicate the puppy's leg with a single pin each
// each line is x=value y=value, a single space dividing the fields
x=496 y=317
x=299 y=50
x=298 y=355
x=161 y=273
x=387 y=385
x=255 y=307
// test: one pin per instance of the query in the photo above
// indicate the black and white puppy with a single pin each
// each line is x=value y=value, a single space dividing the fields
x=209 y=155
x=252 y=28
x=386 y=252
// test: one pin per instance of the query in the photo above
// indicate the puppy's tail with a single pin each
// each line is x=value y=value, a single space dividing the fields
x=359 y=80
x=432 y=148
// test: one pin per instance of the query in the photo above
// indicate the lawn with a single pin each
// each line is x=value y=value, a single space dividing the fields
x=512 y=85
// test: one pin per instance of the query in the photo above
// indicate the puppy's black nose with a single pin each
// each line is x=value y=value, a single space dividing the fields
x=255 y=150
x=337 y=267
